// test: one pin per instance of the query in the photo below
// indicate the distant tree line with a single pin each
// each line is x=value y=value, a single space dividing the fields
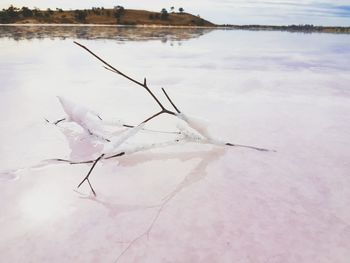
x=13 y=14
x=164 y=14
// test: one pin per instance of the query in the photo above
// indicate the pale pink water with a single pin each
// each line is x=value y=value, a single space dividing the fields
x=183 y=203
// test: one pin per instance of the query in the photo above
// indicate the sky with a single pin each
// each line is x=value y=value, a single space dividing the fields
x=267 y=12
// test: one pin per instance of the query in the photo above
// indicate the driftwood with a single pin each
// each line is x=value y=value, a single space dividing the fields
x=199 y=136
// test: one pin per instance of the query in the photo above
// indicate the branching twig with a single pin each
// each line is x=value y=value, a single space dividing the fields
x=87 y=176
x=113 y=69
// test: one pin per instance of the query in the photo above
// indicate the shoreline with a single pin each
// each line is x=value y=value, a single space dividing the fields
x=107 y=25
x=291 y=29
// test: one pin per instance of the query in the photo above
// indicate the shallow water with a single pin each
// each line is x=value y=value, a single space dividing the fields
x=278 y=90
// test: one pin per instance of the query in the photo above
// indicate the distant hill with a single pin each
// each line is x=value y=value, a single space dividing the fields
x=121 y=16
x=115 y=16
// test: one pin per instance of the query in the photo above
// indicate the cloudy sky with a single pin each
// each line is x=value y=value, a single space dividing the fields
x=317 y=12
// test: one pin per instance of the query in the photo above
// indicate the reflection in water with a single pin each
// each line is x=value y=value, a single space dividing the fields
x=120 y=33
x=196 y=174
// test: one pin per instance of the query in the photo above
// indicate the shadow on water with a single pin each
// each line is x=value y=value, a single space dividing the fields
x=119 y=33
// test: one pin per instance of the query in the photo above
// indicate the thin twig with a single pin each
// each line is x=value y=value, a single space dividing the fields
x=87 y=176
x=97 y=136
x=72 y=162
x=250 y=147
x=171 y=102
x=153 y=116
x=128 y=126
x=114 y=155
x=55 y=122
x=92 y=189
x=58 y=121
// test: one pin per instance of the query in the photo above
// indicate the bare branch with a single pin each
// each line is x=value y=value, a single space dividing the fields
x=113 y=69
x=163 y=110
x=172 y=103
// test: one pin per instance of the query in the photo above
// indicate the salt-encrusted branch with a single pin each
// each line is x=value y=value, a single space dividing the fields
x=111 y=156
x=123 y=151
x=119 y=124
x=202 y=135
x=163 y=109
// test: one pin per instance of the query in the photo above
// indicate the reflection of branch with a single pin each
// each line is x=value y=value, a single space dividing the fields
x=199 y=169
x=146 y=233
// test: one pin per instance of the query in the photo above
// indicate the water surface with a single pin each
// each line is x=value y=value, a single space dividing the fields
x=284 y=91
